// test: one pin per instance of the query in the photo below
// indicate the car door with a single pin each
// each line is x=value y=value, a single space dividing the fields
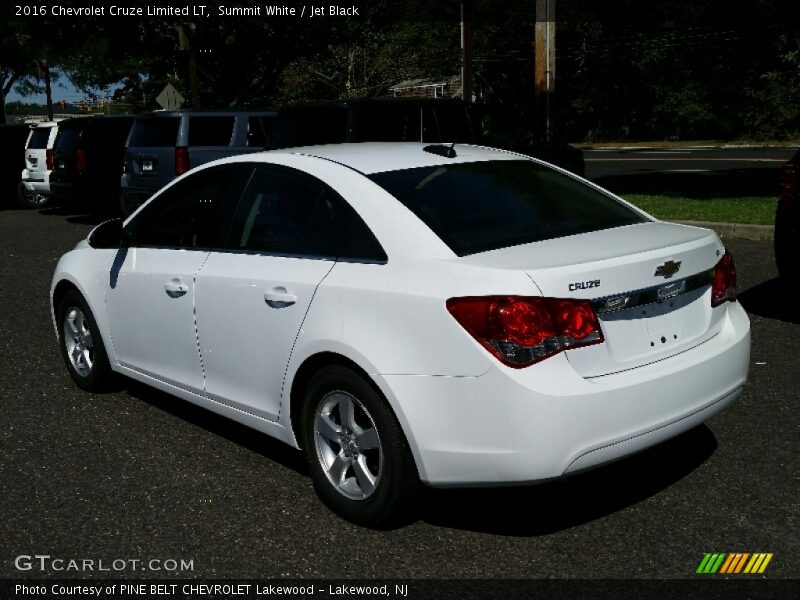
x=150 y=297
x=252 y=298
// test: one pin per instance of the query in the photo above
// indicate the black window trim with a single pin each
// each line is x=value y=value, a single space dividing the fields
x=227 y=248
x=240 y=178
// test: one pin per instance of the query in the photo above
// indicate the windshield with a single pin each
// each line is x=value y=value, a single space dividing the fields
x=475 y=207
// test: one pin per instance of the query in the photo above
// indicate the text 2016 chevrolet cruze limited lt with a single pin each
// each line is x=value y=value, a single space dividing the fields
x=455 y=316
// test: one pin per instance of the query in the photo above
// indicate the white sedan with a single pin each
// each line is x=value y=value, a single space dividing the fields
x=406 y=314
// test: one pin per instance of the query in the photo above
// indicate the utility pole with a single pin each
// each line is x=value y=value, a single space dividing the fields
x=466 y=50
x=185 y=43
x=545 y=66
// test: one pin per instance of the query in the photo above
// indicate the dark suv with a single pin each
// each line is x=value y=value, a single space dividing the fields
x=86 y=159
x=164 y=145
x=12 y=159
x=439 y=120
x=787 y=221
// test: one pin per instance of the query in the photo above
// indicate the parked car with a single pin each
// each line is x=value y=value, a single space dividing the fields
x=167 y=144
x=787 y=221
x=440 y=120
x=12 y=160
x=86 y=159
x=34 y=188
x=457 y=316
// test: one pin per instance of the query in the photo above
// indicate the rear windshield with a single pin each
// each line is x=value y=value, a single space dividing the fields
x=38 y=139
x=476 y=207
x=155 y=132
x=67 y=138
x=210 y=131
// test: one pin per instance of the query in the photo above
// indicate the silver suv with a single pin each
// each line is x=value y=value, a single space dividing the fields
x=167 y=144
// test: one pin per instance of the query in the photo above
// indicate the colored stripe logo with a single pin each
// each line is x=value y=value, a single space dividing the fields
x=734 y=563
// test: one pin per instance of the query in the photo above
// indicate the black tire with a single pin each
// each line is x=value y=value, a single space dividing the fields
x=27 y=199
x=397 y=487
x=97 y=374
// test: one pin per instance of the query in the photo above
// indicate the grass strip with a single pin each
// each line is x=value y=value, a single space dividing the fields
x=758 y=210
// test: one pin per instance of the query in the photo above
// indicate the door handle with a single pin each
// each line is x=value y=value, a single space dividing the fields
x=175 y=289
x=279 y=298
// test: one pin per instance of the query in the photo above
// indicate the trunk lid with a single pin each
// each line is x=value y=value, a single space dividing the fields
x=649 y=283
x=150 y=152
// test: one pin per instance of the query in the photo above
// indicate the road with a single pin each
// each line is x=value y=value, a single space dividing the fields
x=692 y=172
x=139 y=474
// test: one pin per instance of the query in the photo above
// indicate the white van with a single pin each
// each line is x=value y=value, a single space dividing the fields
x=34 y=189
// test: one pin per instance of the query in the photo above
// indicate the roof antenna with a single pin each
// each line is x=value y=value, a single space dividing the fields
x=441 y=150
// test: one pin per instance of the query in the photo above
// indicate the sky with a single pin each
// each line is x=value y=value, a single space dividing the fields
x=62 y=89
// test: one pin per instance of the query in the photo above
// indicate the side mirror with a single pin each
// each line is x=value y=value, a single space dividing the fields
x=108 y=234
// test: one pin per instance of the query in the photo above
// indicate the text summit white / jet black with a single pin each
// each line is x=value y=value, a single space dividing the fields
x=410 y=314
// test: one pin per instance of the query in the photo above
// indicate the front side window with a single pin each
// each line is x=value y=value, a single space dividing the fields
x=288 y=213
x=481 y=206
x=188 y=215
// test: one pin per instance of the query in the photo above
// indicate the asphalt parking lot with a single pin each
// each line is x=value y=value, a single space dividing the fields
x=139 y=474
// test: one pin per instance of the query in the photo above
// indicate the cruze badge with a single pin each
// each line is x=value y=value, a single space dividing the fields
x=584 y=285
x=668 y=269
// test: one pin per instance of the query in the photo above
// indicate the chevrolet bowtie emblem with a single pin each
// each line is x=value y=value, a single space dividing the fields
x=668 y=269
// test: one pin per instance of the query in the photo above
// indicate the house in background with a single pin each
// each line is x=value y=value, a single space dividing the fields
x=442 y=87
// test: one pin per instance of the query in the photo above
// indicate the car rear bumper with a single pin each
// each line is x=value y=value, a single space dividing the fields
x=36 y=182
x=65 y=190
x=515 y=426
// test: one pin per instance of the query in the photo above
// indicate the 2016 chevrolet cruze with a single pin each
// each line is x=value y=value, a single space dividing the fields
x=451 y=315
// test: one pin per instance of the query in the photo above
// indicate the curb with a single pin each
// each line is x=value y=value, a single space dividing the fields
x=720 y=146
x=738 y=231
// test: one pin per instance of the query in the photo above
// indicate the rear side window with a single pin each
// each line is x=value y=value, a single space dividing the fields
x=386 y=123
x=39 y=138
x=287 y=213
x=476 y=207
x=325 y=125
x=210 y=131
x=155 y=132
x=446 y=124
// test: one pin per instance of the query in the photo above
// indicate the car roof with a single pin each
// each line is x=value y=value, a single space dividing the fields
x=378 y=157
x=85 y=120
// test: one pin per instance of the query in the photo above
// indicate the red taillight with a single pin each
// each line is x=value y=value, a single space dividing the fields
x=80 y=160
x=723 y=288
x=788 y=186
x=124 y=166
x=181 y=160
x=521 y=330
x=48 y=158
